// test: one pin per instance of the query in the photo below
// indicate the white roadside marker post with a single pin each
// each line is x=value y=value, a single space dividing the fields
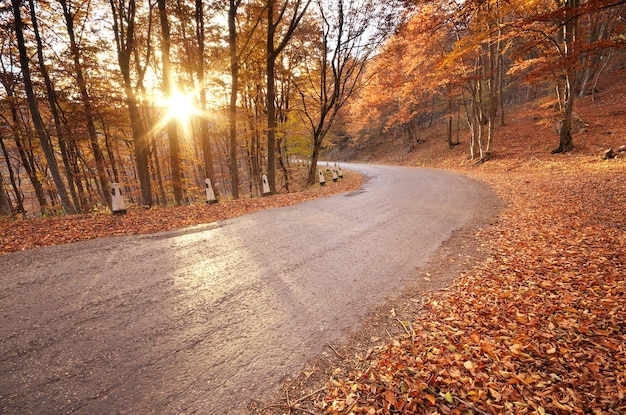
x=322 y=178
x=266 y=186
x=117 y=201
x=210 y=194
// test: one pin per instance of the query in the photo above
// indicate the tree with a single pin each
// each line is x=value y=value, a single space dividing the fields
x=569 y=32
x=81 y=82
x=9 y=78
x=478 y=51
x=234 y=91
x=553 y=31
x=413 y=79
x=42 y=134
x=349 y=35
x=54 y=107
x=124 y=31
x=237 y=48
x=204 y=123
x=275 y=15
x=5 y=203
x=168 y=92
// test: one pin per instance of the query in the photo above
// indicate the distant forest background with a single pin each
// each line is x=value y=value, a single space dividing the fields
x=159 y=95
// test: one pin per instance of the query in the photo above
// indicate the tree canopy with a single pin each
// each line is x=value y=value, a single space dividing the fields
x=158 y=96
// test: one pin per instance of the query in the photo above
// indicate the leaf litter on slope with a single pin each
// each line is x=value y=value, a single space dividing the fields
x=538 y=327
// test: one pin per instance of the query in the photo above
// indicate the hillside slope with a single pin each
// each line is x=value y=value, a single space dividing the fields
x=529 y=134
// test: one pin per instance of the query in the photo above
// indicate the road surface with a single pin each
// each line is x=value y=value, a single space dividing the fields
x=203 y=319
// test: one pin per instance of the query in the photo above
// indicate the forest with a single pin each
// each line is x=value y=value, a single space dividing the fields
x=160 y=95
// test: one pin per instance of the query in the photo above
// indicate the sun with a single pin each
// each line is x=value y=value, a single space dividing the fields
x=180 y=107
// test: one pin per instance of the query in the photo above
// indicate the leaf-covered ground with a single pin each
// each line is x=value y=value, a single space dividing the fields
x=538 y=327
x=16 y=235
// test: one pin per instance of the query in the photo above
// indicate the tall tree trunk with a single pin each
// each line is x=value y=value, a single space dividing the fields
x=271 y=98
x=569 y=28
x=282 y=161
x=17 y=136
x=73 y=159
x=156 y=163
x=315 y=154
x=501 y=74
x=299 y=8
x=87 y=104
x=449 y=131
x=125 y=43
x=109 y=149
x=205 y=137
x=5 y=202
x=566 y=142
x=52 y=102
x=234 y=90
x=168 y=91
x=46 y=145
x=493 y=92
x=19 y=199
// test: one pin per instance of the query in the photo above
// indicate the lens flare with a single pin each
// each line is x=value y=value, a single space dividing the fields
x=180 y=107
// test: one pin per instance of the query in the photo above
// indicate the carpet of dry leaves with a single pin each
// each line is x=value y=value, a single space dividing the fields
x=538 y=328
x=17 y=235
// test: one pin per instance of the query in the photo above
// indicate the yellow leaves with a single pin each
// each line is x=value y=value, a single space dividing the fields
x=495 y=394
x=448 y=397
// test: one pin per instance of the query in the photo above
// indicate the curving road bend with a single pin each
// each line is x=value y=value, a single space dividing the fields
x=200 y=320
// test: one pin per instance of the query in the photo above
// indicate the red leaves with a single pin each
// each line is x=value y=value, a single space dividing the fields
x=539 y=327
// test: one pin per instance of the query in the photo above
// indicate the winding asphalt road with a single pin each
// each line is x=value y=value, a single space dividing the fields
x=201 y=319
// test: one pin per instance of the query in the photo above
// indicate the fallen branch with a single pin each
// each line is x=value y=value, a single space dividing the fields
x=336 y=352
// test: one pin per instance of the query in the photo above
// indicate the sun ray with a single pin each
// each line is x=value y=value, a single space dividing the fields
x=181 y=107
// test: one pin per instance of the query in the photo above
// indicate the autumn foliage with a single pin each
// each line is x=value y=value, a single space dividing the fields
x=537 y=326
